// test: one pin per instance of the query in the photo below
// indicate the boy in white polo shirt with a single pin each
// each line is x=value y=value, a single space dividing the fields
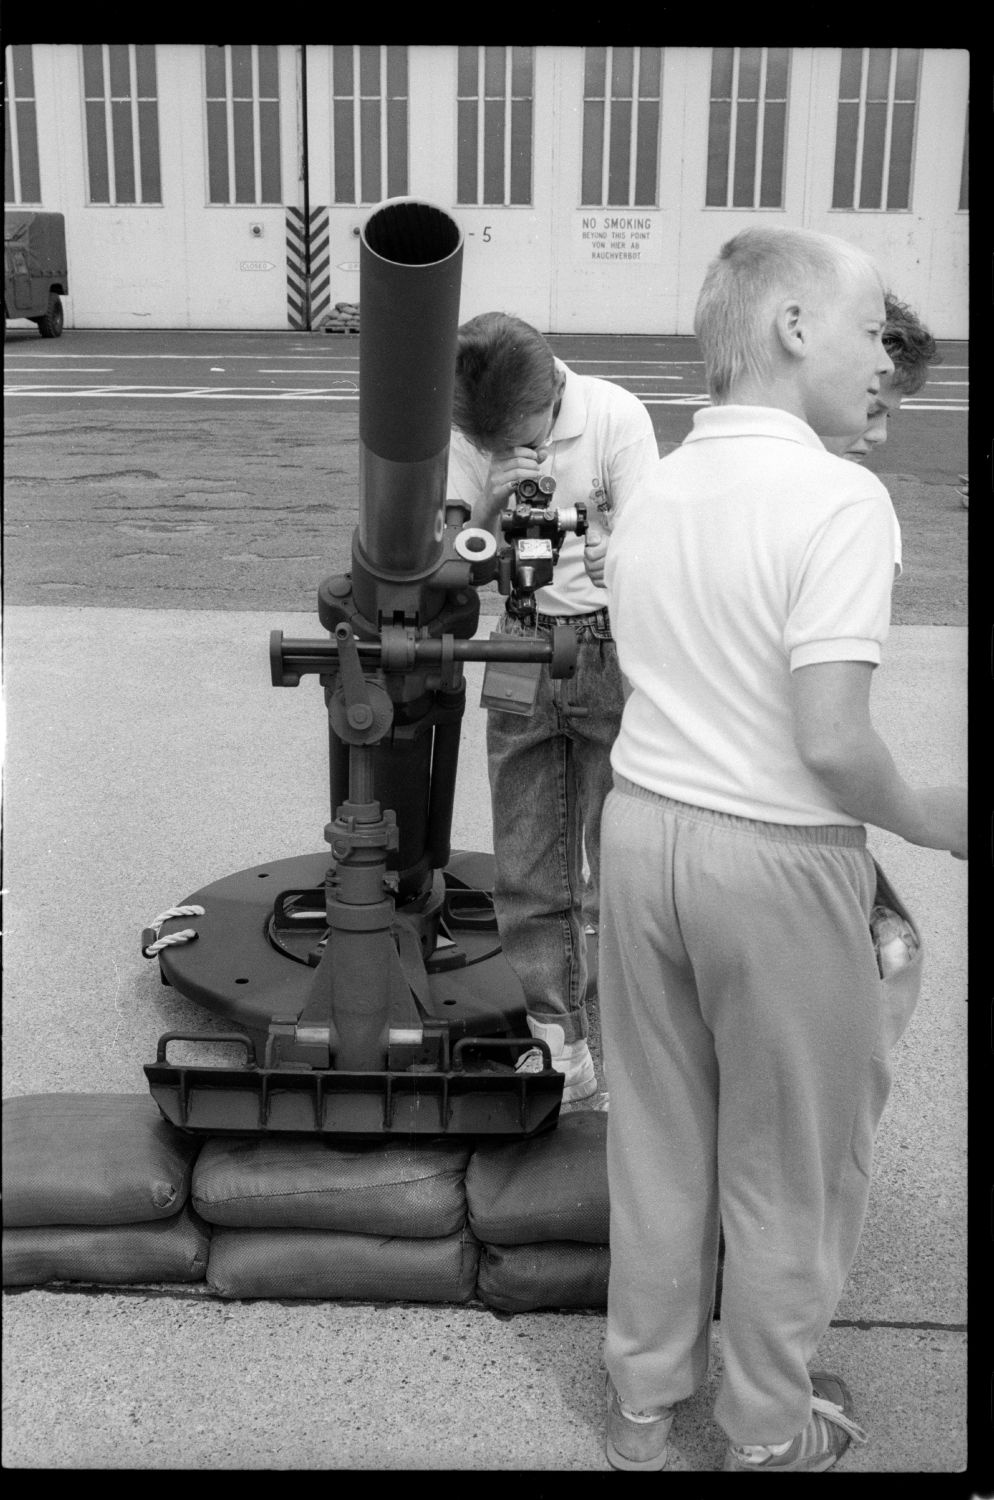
x=520 y=413
x=742 y=1009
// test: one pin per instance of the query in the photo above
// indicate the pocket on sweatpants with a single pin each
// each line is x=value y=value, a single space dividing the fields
x=900 y=991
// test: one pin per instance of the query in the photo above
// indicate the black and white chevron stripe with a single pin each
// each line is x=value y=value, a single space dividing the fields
x=296 y=290
x=320 y=266
x=297 y=298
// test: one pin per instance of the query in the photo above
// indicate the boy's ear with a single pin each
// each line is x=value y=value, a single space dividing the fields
x=791 y=328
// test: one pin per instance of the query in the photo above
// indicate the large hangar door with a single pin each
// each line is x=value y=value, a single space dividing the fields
x=468 y=128
x=618 y=190
x=492 y=111
x=358 y=143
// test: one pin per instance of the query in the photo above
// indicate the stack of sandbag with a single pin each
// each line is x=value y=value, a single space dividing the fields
x=306 y=1217
x=343 y=318
x=96 y=1189
x=539 y=1207
x=99 y=1188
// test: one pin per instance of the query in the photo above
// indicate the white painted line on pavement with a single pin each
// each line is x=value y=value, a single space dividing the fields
x=61 y=354
x=675 y=400
x=66 y=354
x=305 y=372
x=680 y=362
x=171 y=393
x=952 y=404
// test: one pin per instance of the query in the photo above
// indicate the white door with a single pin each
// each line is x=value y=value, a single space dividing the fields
x=486 y=114
x=467 y=128
x=618 y=189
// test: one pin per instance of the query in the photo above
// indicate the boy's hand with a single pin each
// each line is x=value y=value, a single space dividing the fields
x=594 y=553
x=946 y=808
x=506 y=471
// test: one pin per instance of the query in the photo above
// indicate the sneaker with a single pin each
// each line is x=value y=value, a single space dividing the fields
x=571 y=1058
x=636 y=1439
x=600 y=1102
x=822 y=1443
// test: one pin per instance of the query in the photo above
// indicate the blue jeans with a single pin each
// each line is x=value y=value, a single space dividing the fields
x=549 y=775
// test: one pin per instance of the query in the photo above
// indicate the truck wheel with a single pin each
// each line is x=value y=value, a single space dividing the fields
x=50 y=326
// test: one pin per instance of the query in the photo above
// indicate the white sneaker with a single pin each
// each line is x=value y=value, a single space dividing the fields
x=593 y=1104
x=570 y=1058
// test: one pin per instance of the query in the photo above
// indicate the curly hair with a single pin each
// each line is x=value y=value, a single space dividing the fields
x=505 y=371
x=909 y=344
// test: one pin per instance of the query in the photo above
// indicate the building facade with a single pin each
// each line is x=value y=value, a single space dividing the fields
x=225 y=186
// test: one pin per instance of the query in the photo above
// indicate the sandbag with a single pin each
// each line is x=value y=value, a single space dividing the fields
x=381 y=1188
x=521 y=1278
x=548 y=1187
x=92 y=1159
x=328 y=1264
x=163 y=1250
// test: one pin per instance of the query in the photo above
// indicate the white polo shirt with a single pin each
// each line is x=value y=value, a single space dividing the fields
x=601 y=443
x=747 y=552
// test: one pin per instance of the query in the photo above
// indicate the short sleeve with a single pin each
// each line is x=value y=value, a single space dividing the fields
x=468 y=470
x=840 y=605
x=634 y=454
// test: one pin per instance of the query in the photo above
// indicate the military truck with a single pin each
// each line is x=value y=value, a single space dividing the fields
x=35 y=274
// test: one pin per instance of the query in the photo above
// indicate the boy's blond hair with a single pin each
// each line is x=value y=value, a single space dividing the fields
x=750 y=274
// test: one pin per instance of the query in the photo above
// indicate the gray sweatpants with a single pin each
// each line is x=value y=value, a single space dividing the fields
x=745 y=1049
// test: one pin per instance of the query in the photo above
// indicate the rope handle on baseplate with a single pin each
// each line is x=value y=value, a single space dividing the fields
x=151 y=941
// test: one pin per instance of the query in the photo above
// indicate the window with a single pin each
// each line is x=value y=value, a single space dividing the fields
x=21 y=178
x=621 y=101
x=875 y=130
x=494 y=124
x=369 y=124
x=747 y=127
x=243 y=124
x=122 y=123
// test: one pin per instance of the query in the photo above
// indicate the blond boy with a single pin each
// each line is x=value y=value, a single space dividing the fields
x=742 y=1010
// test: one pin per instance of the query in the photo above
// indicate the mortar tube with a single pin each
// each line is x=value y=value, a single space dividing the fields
x=410 y=270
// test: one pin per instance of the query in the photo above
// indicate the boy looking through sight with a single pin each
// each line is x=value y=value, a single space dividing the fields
x=520 y=413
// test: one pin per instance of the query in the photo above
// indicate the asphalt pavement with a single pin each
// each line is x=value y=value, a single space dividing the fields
x=146 y=755
x=220 y=470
